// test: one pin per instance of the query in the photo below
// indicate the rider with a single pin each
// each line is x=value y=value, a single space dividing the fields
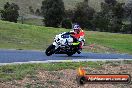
x=77 y=33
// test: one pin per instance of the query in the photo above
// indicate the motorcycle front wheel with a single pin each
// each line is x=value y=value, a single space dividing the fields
x=50 y=50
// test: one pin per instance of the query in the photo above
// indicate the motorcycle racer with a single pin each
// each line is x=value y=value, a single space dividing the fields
x=78 y=34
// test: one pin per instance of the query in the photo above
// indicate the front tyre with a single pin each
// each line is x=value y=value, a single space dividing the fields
x=50 y=50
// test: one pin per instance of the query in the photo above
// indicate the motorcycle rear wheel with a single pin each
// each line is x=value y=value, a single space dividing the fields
x=70 y=53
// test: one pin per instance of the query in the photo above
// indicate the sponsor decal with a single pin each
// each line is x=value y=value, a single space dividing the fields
x=83 y=78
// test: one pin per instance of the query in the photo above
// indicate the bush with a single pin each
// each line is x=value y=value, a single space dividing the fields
x=83 y=14
x=127 y=29
x=100 y=23
x=10 y=12
x=53 y=12
x=66 y=23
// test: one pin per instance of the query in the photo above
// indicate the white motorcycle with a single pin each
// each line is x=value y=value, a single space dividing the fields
x=64 y=44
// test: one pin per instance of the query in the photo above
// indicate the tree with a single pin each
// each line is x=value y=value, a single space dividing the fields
x=31 y=9
x=10 y=12
x=53 y=12
x=100 y=22
x=128 y=14
x=111 y=16
x=111 y=2
x=6 y=5
x=67 y=23
x=118 y=10
x=69 y=14
x=117 y=17
x=83 y=14
x=38 y=12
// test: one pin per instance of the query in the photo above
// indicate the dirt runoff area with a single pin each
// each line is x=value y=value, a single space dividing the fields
x=67 y=78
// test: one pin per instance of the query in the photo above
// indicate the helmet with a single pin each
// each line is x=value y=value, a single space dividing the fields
x=76 y=28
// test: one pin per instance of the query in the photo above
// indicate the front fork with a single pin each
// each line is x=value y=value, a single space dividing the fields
x=56 y=45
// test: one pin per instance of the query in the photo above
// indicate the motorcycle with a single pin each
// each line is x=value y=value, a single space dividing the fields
x=64 y=44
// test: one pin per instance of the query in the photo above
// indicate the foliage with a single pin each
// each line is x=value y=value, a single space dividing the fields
x=53 y=12
x=10 y=12
x=100 y=22
x=127 y=28
x=66 y=23
x=128 y=14
x=31 y=9
x=69 y=14
x=38 y=12
x=83 y=14
x=110 y=19
x=111 y=2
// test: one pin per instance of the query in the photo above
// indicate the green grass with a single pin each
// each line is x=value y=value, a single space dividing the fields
x=32 y=21
x=119 y=42
x=19 y=71
x=12 y=72
x=20 y=36
x=23 y=36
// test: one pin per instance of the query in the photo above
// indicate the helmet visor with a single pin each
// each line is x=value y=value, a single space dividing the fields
x=76 y=30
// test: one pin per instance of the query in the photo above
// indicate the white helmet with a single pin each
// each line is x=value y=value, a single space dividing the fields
x=76 y=27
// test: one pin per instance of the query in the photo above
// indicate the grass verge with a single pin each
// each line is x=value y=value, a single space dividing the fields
x=18 y=72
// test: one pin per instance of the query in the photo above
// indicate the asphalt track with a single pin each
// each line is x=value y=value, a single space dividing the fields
x=27 y=56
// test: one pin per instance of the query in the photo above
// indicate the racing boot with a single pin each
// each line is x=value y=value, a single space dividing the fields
x=80 y=48
x=79 y=51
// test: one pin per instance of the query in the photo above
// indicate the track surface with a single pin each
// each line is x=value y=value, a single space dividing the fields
x=16 y=56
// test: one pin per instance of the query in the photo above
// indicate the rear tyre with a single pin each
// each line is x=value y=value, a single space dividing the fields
x=50 y=50
x=70 y=53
